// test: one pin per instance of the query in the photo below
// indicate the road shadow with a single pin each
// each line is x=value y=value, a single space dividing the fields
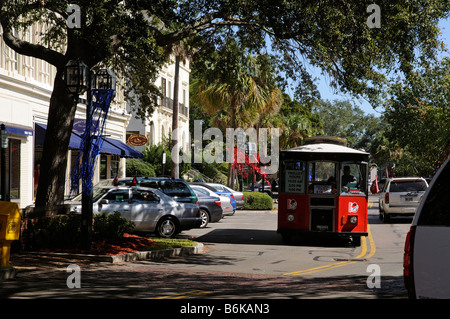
x=375 y=220
x=268 y=237
x=139 y=281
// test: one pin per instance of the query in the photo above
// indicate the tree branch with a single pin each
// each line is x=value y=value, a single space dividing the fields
x=26 y=48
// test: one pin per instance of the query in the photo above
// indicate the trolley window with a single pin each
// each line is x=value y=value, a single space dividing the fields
x=294 y=173
x=322 y=177
x=353 y=177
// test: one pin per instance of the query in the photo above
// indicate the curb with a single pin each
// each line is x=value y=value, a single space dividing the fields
x=141 y=255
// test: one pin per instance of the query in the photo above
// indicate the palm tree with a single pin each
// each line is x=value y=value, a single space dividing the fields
x=295 y=127
x=242 y=101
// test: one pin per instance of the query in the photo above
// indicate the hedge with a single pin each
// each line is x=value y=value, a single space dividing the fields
x=257 y=200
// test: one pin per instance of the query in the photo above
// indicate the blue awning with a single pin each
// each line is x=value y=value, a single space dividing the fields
x=109 y=146
x=18 y=129
x=126 y=151
x=40 y=129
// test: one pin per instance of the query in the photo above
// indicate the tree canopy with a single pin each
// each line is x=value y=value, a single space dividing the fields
x=132 y=36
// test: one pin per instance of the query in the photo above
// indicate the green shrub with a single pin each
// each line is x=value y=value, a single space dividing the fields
x=111 y=227
x=140 y=168
x=62 y=231
x=257 y=200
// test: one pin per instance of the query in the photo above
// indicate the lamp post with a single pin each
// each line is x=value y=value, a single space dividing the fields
x=80 y=79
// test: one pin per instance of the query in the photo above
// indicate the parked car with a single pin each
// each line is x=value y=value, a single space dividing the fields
x=269 y=189
x=226 y=193
x=225 y=201
x=401 y=196
x=178 y=189
x=238 y=196
x=427 y=255
x=150 y=209
x=210 y=208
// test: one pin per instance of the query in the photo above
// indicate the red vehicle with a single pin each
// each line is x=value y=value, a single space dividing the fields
x=323 y=190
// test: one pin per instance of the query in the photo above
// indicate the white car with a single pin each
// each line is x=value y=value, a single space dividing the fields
x=238 y=196
x=426 y=261
x=225 y=201
x=401 y=196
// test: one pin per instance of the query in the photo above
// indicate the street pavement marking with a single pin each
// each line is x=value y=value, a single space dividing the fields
x=185 y=294
x=362 y=255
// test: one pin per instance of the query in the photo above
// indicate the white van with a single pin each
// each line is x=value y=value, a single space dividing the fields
x=426 y=260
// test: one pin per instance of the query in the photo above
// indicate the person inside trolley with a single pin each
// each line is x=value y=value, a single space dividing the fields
x=347 y=177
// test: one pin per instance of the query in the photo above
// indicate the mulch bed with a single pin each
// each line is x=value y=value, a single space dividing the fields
x=128 y=244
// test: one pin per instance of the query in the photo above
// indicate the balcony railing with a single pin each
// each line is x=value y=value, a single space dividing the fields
x=167 y=103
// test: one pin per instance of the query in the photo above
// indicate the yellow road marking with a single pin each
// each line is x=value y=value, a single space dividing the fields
x=185 y=294
x=341 y=263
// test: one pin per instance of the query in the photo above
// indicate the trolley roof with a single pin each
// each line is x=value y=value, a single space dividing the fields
x=325 y=151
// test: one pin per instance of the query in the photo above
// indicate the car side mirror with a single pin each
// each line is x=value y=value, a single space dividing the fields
x=104 y=201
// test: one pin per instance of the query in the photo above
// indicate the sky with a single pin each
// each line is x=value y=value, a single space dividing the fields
x=327 y=93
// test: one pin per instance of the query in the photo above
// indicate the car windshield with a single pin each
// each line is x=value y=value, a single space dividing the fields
x=97 y=192
x=408 y=186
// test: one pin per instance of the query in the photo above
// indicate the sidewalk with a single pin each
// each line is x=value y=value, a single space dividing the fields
x=35 y=261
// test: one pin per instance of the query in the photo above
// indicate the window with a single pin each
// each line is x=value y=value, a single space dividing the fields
x=13 y=169
x=144 y=196
x=294 y=173
x=408 y=186
x=174 y=188
x=435 y=209
x=103 y=164
x=322 y=177
x=353 y=177
x=118 y=196
x=201 y=190
x=163 y=87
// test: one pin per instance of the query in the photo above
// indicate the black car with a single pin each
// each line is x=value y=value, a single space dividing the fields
x=210 y=208
x=178 y=189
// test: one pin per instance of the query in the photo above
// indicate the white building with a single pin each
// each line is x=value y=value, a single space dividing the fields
x=159 y=125
x=26 y=85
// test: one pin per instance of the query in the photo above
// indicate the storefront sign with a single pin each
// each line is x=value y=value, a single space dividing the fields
x=137 y=140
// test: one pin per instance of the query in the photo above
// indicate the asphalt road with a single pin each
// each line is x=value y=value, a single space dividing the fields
x=244 y=258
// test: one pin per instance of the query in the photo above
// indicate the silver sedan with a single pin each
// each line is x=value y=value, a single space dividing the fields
x=150 y=209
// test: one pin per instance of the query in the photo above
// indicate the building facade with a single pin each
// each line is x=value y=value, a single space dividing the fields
x=26 y=85
x=159 y=125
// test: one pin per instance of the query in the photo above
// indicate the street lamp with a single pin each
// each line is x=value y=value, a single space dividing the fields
x=105 y=80
x=79 y=79
x=76 y=76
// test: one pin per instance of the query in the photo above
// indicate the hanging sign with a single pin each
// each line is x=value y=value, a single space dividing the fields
x=137 y=140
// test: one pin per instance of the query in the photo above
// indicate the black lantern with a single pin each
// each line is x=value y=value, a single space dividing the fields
x=76 y=76
x=105 y=79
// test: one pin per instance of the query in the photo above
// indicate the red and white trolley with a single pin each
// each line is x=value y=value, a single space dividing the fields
x=323 y=190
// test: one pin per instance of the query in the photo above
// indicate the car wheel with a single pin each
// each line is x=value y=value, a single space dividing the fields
x=205 y=218
x=167 y=228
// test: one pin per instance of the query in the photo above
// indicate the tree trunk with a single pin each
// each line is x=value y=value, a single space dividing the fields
x=175 y=145
x=233 y=124
x=50 y=192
